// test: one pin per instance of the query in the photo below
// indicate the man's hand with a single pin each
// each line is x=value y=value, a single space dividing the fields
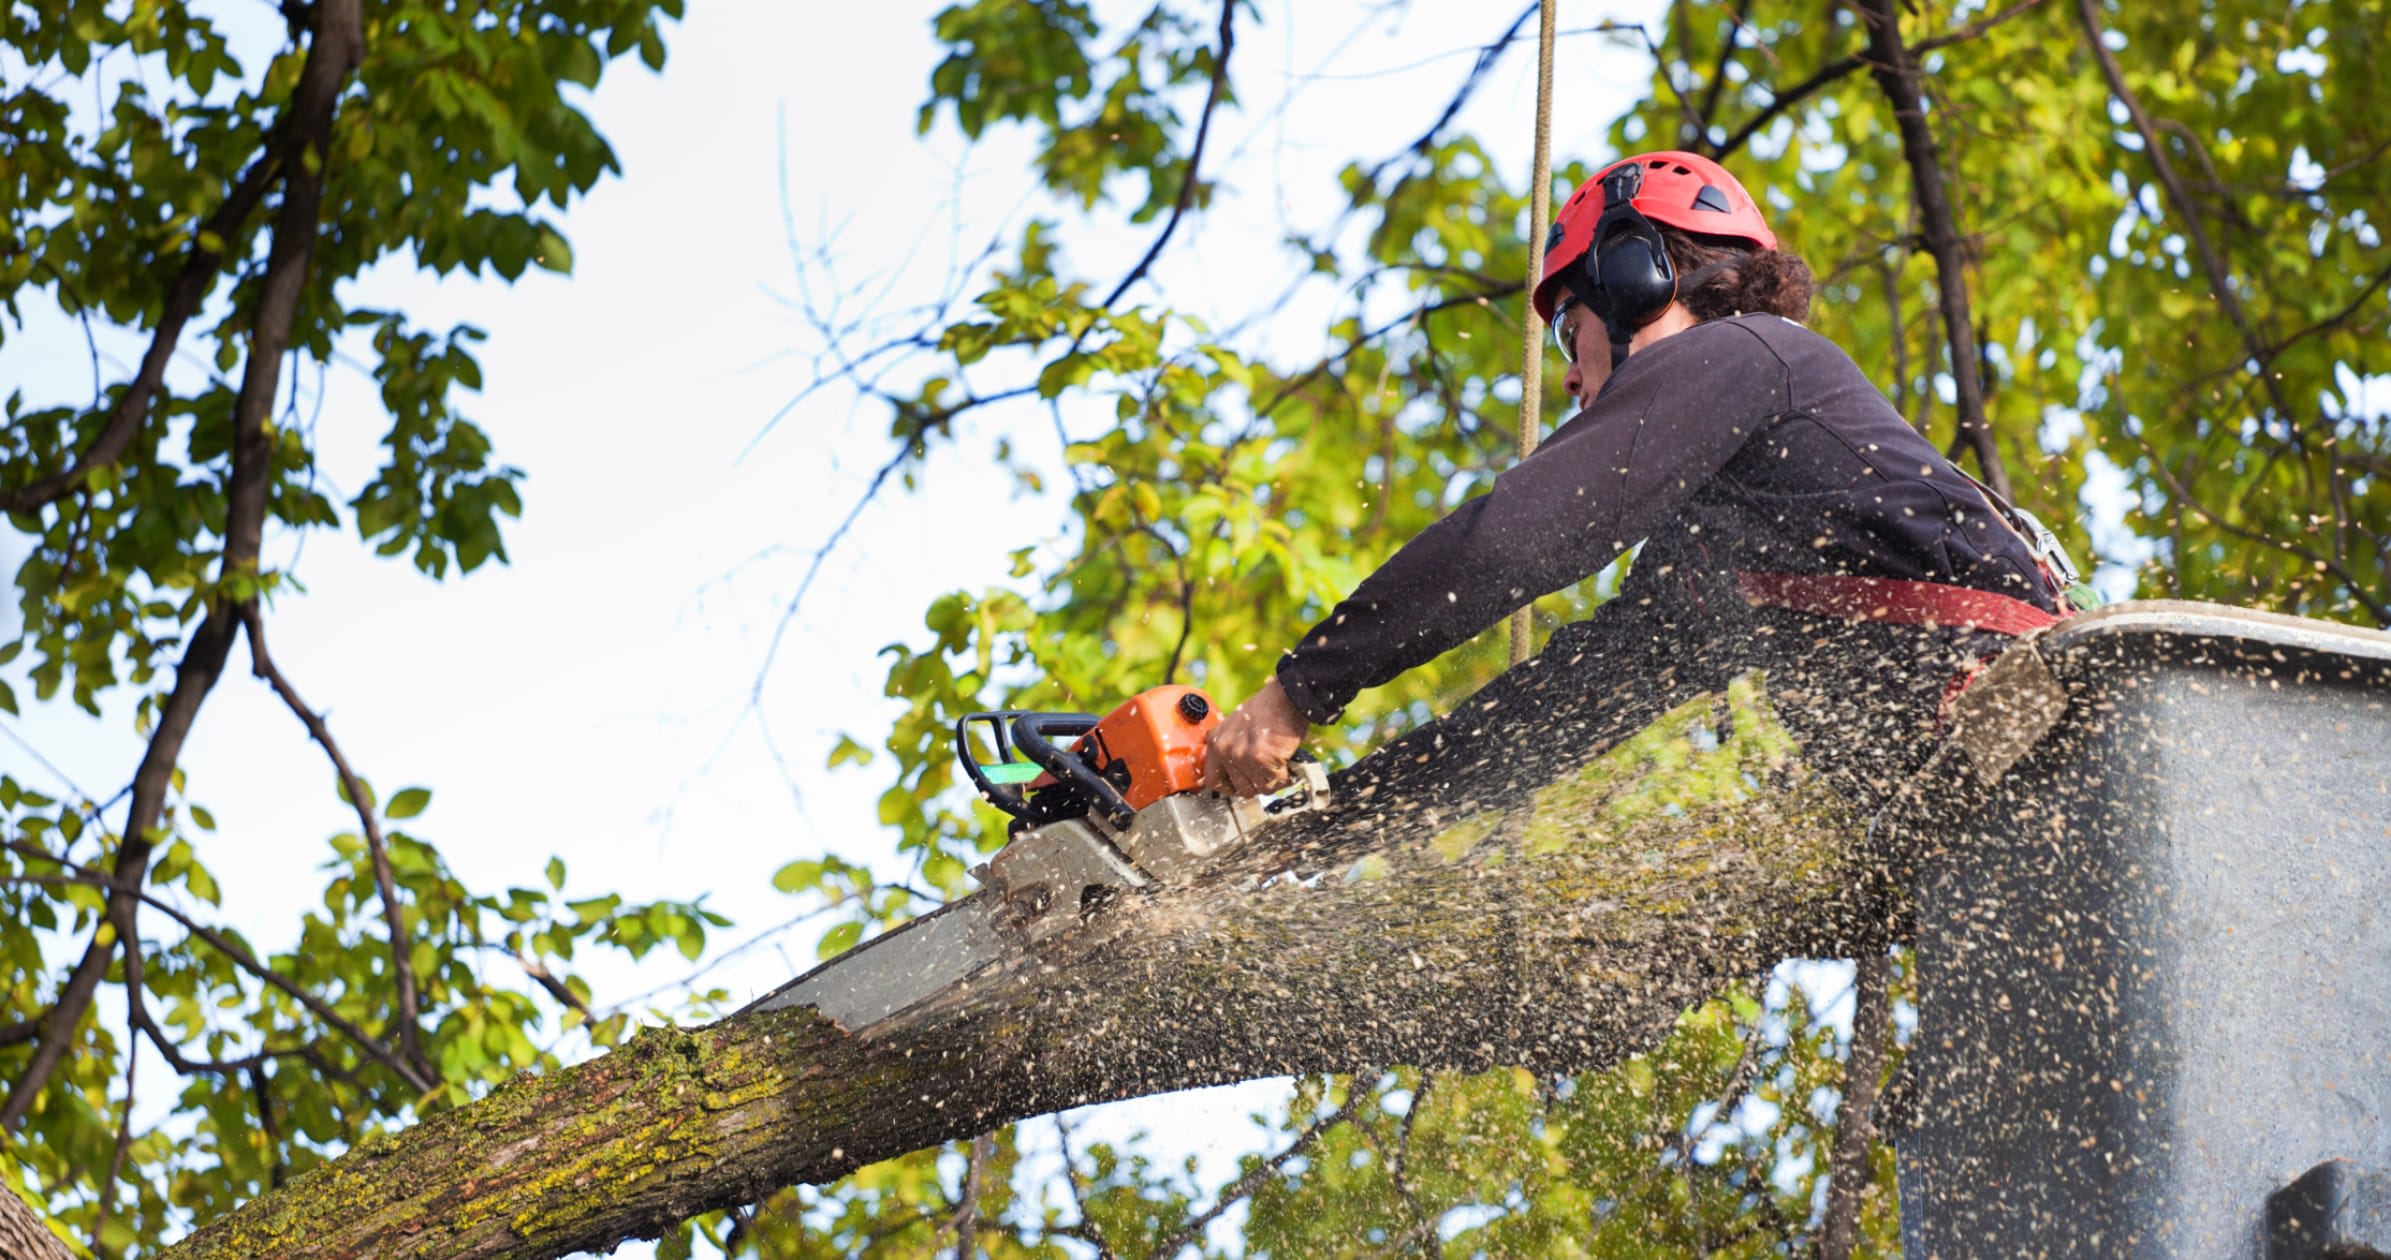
x=1247 y=754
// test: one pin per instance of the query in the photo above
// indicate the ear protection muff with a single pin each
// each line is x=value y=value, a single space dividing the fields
x=1628 y=279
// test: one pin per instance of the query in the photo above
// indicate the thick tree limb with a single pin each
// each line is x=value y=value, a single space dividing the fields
x=1897 y=74
x=333 y=54
x=1460 y=918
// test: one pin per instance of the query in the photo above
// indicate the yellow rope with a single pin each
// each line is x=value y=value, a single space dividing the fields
x=1531 y=325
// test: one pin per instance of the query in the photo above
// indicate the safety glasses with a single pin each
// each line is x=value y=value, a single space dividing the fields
x=1565 y=320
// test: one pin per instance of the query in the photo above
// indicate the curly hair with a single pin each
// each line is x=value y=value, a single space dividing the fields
x=1722 y=277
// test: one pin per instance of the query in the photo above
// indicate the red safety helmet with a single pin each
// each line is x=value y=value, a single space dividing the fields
x=1684 y=190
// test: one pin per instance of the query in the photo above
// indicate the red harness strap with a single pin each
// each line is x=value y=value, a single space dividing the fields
x=1902 y=603
x=1894 y=600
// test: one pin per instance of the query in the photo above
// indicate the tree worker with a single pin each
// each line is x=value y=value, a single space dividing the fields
x=1790 y=519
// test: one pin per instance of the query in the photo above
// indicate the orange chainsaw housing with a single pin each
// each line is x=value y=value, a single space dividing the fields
x=1152 y=746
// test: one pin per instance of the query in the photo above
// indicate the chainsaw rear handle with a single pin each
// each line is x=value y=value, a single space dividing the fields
x=1034 y=736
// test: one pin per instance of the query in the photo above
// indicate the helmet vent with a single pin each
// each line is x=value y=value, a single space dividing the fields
x=1711 y=198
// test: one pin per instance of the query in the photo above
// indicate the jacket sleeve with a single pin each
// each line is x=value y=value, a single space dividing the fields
x=1664 y=425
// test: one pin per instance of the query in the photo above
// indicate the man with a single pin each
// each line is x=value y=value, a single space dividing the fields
x=1789 y=516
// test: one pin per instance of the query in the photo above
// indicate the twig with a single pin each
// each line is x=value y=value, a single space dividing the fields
x=1195 y=156
x=241 y=956
x=966 y=1220
x=1237 y=1191
x=402 y=968
x=1718 y=70
x=1487 y=56
x=1095 y=1232
x=1398 y=1167
x=116 y=1162
x=200 y=268
x=548 y=980
x=266 y=1122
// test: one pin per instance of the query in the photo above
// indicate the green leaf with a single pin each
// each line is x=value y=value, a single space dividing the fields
x=839 y=940
x=848 y=752
x=798 y=876
x=408 y=803
x=556 y=873
x=552 y=252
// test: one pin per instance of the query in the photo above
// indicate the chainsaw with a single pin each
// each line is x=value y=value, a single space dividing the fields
x=1101 y=809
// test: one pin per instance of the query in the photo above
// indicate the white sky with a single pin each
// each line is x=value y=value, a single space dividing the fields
x=587 y=699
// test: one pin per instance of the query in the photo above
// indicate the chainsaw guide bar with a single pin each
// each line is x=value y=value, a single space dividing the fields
x=1118 y=813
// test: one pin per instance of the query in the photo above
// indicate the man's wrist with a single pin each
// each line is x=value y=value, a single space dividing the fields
x=1302 y=699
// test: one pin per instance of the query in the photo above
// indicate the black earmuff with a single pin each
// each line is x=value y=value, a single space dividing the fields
x=1628 y=279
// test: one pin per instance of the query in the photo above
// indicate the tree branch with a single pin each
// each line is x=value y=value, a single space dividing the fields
x=1898 y=76
x=191 y=284
x=1854 y=1169
x=124 y=1144
x=333 y=53
x=1195 y=156
x=402 y=967
x=1239 y=1190
x=231 y=949
x=1487 y=56
x=1095 y=1232
x=1834 y=70
x=259 y=1089
x=1712 y=90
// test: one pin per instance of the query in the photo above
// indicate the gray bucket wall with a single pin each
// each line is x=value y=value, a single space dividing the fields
x=2155 y=954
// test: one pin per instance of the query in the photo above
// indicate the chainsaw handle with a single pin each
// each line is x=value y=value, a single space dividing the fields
x=1005 y=792
x=1031 y=733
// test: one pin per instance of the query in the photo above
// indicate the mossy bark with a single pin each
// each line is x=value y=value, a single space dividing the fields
x=1557 y=915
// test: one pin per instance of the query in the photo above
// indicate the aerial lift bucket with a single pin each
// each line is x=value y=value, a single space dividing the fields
x=2154 y=948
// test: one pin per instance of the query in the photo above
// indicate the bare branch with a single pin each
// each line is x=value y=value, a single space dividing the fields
x=402 y=968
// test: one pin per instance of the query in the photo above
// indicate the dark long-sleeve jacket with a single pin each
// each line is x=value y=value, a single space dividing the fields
x=1746 y=444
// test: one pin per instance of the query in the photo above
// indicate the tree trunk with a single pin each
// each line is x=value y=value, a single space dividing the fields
x=1561 y=925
